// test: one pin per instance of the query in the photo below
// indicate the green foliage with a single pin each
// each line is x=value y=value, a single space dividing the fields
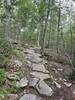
x=72 y=76
x=13 y=88
x=5 y=50
x=42 y=8
x=20 y=55
x=2 y=76
x=3 y=92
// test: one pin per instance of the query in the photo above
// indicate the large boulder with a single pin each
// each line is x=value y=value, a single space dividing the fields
x=29 y=97
x=44 y=89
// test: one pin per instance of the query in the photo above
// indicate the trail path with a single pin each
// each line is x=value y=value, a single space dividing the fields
x=44 y=80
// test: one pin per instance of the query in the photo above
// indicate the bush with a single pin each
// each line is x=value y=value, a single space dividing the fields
x=2 y=76
x=3 y=93
x=72 y=76
x=5 y=50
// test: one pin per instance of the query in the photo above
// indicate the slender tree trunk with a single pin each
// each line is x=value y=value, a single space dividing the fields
x=7 y=4
x=58 y=29
x=45 y=28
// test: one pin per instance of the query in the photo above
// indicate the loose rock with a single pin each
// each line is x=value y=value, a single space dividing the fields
x=13 y=77
x=60 y=69
x=28 y=63
x=67 y=84
x=58 y=85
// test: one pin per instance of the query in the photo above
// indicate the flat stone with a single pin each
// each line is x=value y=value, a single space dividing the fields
x=29 y=56
x=57 y=65
x=34 y=59
x=37 y=54
x=40 y=75
x=33 y=82
x=22 y=83
x=13 y=77
x=44 y=89
x=29 y=51
x=39 y=67
x=29 y=97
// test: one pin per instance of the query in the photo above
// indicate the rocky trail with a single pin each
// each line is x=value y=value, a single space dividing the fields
x=39 y=79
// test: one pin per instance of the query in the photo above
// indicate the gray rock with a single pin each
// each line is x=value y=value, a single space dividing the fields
x=60 y=69
x=44 y=89
x=29 y=64
x=34 y=59
x=44 y=61
x=32 y=52
x=40 y=75
x=29 y=56
x=37 y=54
x=13 y=77
x=39 y=67
x=33 y=82
x=57 y=85
x=22 y=83
x=29 y=97
x=29 y=51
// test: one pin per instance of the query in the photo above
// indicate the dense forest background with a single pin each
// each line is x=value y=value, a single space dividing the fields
x=46 y=24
